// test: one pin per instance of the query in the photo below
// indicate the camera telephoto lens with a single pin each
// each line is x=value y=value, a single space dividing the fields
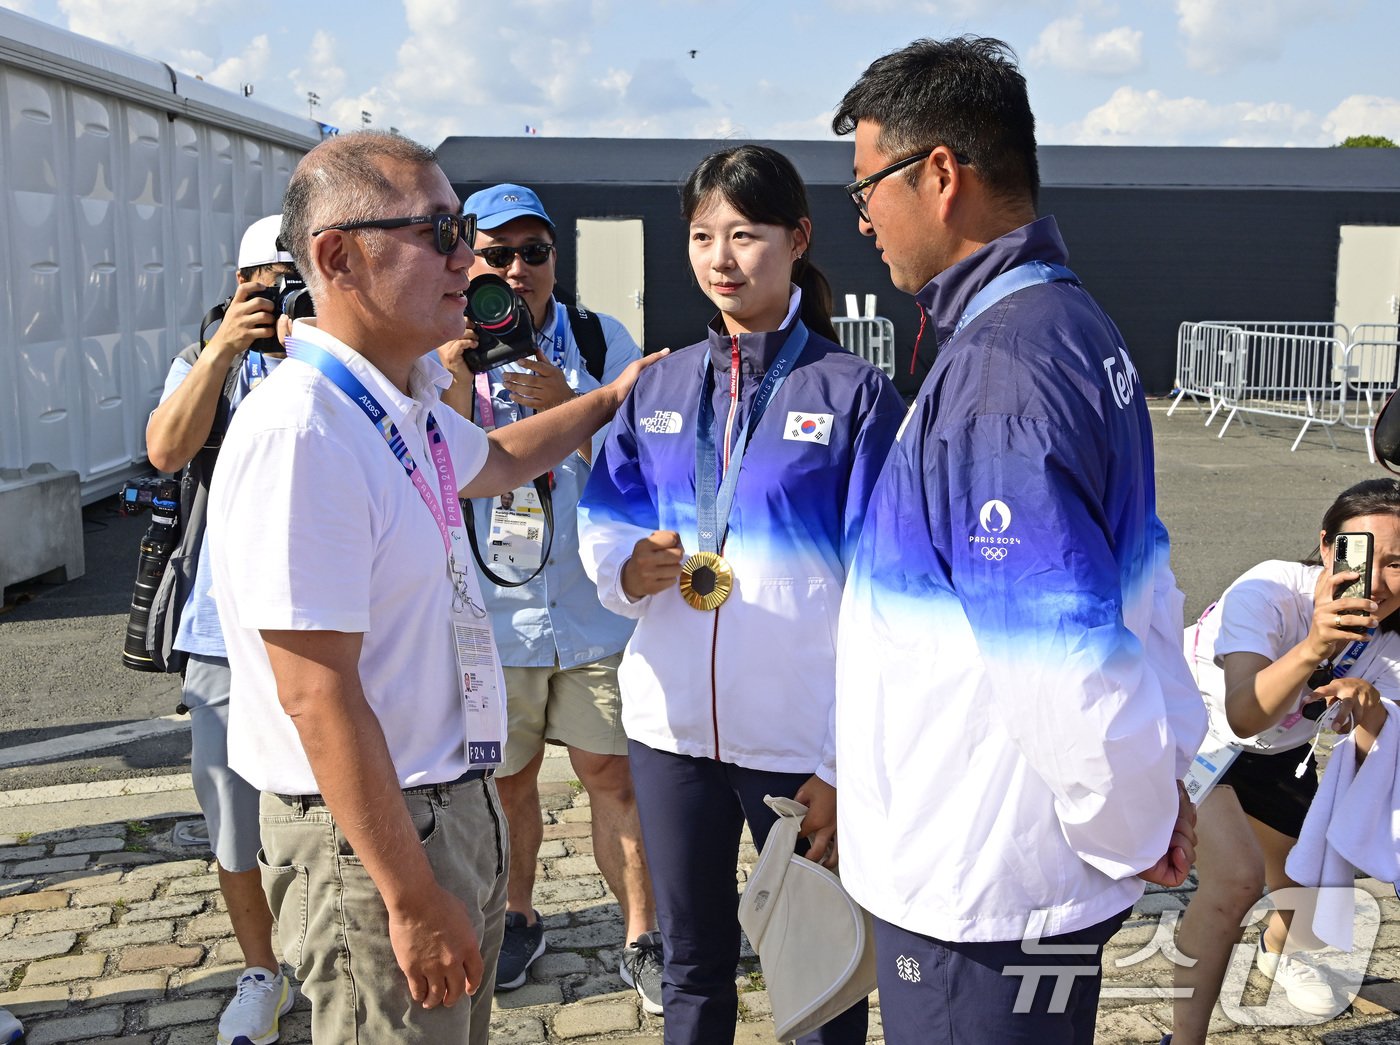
x=491 y=304
x=156 y=547
x=502 y=321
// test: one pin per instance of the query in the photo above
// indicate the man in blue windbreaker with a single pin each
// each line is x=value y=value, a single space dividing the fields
x=1013 y=709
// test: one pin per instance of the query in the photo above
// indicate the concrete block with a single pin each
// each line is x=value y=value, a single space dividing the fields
x=68 y=1029
x=41 y=516
x=64 y=970
x=603 y=1016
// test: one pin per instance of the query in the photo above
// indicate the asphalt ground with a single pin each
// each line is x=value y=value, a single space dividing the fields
x=1228 y=503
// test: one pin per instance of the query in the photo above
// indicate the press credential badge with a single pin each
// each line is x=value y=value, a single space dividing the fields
x=517 y=530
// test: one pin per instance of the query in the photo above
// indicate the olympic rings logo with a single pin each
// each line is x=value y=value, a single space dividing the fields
x=993 y=554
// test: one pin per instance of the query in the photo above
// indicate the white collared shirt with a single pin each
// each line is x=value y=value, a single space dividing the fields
x=314 y=525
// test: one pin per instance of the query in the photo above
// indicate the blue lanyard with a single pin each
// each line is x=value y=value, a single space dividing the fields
x=254 y=372
x=711 y=508
x=1344 y=663
x=561 y=324
x=1028 y=274
x=447 y=514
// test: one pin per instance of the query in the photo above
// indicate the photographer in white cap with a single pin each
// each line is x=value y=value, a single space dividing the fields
x=203 y=388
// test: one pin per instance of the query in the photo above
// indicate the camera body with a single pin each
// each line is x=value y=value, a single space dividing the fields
x=502 y=322
x=290 y=298
x=159 y=494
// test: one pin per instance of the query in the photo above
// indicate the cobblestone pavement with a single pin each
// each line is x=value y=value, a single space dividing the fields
x=112 y=931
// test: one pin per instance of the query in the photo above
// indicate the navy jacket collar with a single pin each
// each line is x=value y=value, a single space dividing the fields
x=946 y=296
x=756 y=351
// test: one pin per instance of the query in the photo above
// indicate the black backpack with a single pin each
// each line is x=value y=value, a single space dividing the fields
x=588 y=335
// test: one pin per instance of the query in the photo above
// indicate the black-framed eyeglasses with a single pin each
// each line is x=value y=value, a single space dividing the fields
x=448 y=229
x=857 y=190
x=500 y=257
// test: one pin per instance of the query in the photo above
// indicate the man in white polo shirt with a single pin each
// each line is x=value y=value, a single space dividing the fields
x=367 y=701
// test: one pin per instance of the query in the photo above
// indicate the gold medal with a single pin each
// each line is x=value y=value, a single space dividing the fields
x=706 y=580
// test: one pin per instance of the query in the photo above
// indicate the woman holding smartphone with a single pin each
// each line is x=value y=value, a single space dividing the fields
x=721 y=515
x=1280 y=640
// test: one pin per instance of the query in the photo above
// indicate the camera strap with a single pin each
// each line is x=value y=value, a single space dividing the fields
x=214 y=315
x=481 y=400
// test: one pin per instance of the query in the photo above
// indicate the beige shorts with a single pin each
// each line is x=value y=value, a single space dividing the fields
x=580 y=707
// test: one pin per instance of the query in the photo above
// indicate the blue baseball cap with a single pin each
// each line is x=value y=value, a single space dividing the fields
x=499 y=204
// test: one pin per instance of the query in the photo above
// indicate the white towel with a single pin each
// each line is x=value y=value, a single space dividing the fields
x=1354 y=822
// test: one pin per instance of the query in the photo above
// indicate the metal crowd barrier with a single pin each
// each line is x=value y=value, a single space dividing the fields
x=1320 y=373
x=1371 y=372
x=871 y=338
x=1205 y=364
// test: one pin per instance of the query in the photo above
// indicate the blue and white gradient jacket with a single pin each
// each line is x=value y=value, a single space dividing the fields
x=752 y=682
x=1013 y=706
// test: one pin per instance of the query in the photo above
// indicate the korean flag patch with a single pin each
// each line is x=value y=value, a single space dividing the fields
x=808 y=428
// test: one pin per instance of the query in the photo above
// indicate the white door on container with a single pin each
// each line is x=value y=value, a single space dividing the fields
x=1368 y=297
x=609 y=258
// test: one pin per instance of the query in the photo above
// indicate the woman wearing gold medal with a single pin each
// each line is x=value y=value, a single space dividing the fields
x=720 y=515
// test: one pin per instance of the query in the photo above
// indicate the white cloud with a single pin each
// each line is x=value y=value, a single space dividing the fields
x=151 y=26
x=535 y=67
x=24 y=7
x=1221 y=34
x=1133 y=117
x=1064 y=44
x=1363 y=114
x=248 y=67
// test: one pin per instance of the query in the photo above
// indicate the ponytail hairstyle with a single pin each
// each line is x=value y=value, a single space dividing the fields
x=763 y=185
x=1369 y=497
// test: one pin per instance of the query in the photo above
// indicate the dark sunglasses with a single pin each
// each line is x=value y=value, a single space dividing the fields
x=857 y=189
x=501 y=257
x=448 y=229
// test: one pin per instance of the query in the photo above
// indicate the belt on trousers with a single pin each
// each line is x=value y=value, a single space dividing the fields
x=417 y=789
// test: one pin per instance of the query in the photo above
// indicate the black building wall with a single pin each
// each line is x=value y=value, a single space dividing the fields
x=1155 y=257
x=1160 y=236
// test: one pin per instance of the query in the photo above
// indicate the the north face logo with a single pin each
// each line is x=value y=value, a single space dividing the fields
x=663 y=422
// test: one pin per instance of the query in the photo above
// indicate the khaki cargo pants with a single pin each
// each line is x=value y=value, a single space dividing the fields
x=334 y=929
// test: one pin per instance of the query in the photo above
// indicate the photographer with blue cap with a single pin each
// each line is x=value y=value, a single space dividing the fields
x=559 y=647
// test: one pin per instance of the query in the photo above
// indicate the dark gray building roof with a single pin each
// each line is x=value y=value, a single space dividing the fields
x=665 y=161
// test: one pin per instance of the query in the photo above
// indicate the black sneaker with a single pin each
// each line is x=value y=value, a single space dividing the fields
x=641 y=969
x=523 y=943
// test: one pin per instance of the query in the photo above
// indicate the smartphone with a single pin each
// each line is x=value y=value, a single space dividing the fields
x=1351 y=553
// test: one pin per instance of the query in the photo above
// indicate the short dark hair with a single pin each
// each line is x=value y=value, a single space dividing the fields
x=340 y=181
x=966 y=93
x=269 y=272
x=763 y=185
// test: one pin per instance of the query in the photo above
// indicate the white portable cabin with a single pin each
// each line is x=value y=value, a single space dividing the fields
x=124 y=188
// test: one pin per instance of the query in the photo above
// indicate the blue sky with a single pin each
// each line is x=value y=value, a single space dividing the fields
x=1154 y=72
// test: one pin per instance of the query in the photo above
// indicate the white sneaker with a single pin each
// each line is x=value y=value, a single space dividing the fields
x=1306 y=988
x=251 y=1018
x=10 y=1028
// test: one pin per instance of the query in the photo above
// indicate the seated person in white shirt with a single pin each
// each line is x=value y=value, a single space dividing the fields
x=1257 y=654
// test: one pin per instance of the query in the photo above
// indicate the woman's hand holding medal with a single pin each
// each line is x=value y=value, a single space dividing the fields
x=655 y=565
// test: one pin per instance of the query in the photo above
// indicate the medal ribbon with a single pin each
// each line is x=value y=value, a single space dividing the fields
x=712 y=508
x=447 y=513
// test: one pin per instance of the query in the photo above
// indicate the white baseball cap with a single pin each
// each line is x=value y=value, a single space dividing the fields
x=259 y=245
